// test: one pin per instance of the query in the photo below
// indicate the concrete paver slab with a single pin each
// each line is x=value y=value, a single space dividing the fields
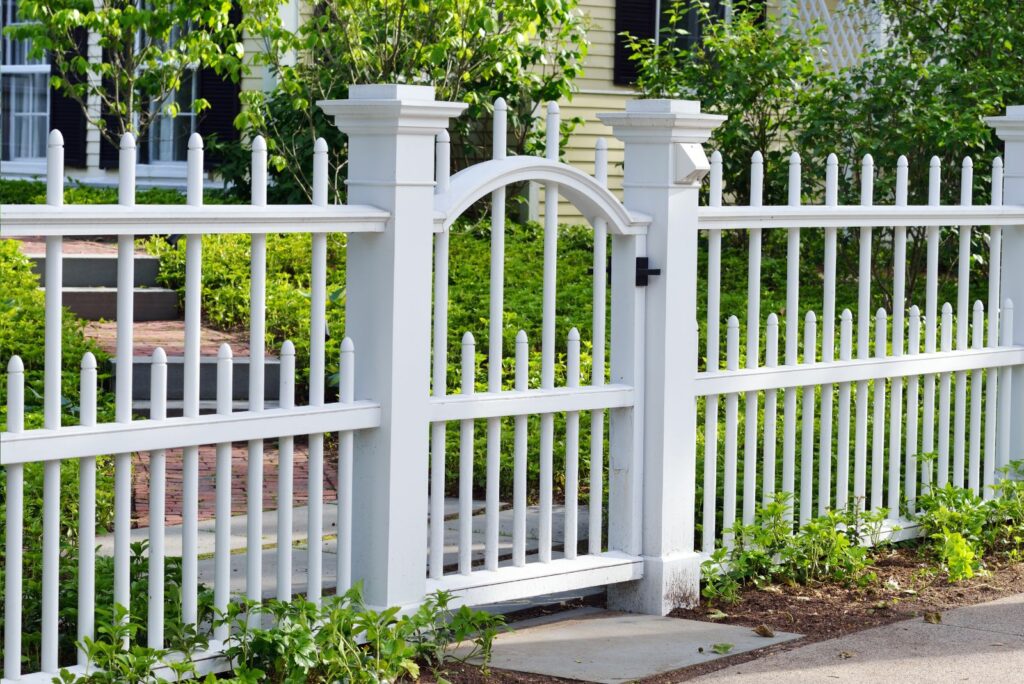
x=597 y=645
x=909 y=651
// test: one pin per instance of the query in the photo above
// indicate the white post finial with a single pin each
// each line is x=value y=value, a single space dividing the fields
x=665 y=163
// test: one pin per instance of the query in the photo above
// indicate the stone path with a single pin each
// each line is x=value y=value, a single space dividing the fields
x=170 y=335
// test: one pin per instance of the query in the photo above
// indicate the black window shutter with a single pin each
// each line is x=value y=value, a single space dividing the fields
x=66 y=114
x=110 y=155
x=637 y=18
x=219 y=120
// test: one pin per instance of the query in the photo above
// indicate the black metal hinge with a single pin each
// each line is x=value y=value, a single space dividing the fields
x=644 y=271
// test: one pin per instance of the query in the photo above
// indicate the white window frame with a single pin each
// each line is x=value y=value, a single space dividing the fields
x=8 y=69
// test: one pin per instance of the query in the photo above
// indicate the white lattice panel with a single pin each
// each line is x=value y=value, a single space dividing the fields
x=850 y=28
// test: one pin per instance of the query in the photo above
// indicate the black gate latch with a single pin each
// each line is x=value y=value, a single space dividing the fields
x=644 y=271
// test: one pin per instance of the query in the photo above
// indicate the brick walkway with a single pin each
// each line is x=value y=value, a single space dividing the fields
x=239 y=494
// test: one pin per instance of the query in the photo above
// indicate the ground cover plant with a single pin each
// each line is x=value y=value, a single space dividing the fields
x=297 y=641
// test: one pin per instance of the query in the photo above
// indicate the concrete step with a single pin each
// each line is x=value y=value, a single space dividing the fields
x=141 y=378
x=95 y=303
x=98 y=270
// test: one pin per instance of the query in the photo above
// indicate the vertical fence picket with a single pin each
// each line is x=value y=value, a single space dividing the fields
x=596 y=477
x=52 y=400
x=466 y=459
x=190 y=458
x=792 y=331
x=494 y=340
x=942 y=477
x=439 y=370
x=257 y=356
x=15 y=525
x=157 y=503
x=285 y=478
x=828 y=338
x=860 y=442
x=519 y=457
x=931 y=309
x=317 y=374
x=224 y=482
x=547 y=370
x=750 y=400
x=992 y=376
x=123 y=379
x=899 y=274
x=843 y=432
x=910 y=469
x=771 y=360
x=878 y=423
x=807 y=424
x=572 y=450
x=974 y=436
x=347 y=394
x=87 y=512
x=1005 y=394
x=732 y=352
x=712 y=363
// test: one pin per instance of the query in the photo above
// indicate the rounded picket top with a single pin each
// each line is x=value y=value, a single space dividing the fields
x=442 y=137
x=56 y=139
x=195 y=141
x=521 y=337
x=846 y=315
x=347 y=346
x=224 y=351
x=320 y=146
x=127 y=141
x=935 y=162
x=756 y=158
x=832 y=159
x=467 y=339
x=915 y=311
x=968 y=163
x=902 y=162
x=259 y=144
x=881 y=314
x=500 y=105
x=574 y=335
x=1007 y=306
x=602 y=145
x=553 y=107
x=287 y=349
x=160 y=356
x=810 y=317
x=733 y=323
x=794 y=159
x=773 y=320
x=997 y=163
x=867 y=160
x=88 y=361
x=979 y=306
x=947 y=308
x=16 y=366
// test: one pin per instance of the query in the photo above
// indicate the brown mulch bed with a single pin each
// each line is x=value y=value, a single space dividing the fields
x=907 y=588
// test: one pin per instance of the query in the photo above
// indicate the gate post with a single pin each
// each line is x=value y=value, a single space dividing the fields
x=1010 y=129
x=664 y=165
x=391 y=130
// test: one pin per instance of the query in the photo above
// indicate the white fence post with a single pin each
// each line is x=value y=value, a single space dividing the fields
x=664 y=165
x=391 y=130
x=1010 y=129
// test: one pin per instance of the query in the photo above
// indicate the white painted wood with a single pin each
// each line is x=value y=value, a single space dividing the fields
x=710 y=503
x=974 y=436
x=899 y=270
x=597 y=369
x=225 y=480
x=87 y=516
x=913 y=384
x=157 y=504
x=878 y=422
x=466 y=459
x=828 y=341
x=285 y=478
x=843 y=433
x=257 y=355
x=83 y=220
x=931 y=311
x=317 y=375
x=572 y=450
x=442 y=152
x=52 y=367
x=1005 y=394
x=792 y=332
x=78 y=441
x=751 y=399
x=944 y=419
x=732 y=353
x=15 y=525
x=519 y=457
x=346 y=482
x=867 y=188
x=959 y=427
x=963 y=313
x=538 y=400
x=494 y=338
x=807 y=424
x=770 y=407
x=846 y=216
x=992 y=378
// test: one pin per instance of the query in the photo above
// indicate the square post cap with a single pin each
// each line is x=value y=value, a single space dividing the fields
x=662 y=121
x=391 y=108
x=1009 y=127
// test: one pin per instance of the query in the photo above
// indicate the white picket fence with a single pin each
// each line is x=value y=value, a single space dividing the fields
x=395 y=407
